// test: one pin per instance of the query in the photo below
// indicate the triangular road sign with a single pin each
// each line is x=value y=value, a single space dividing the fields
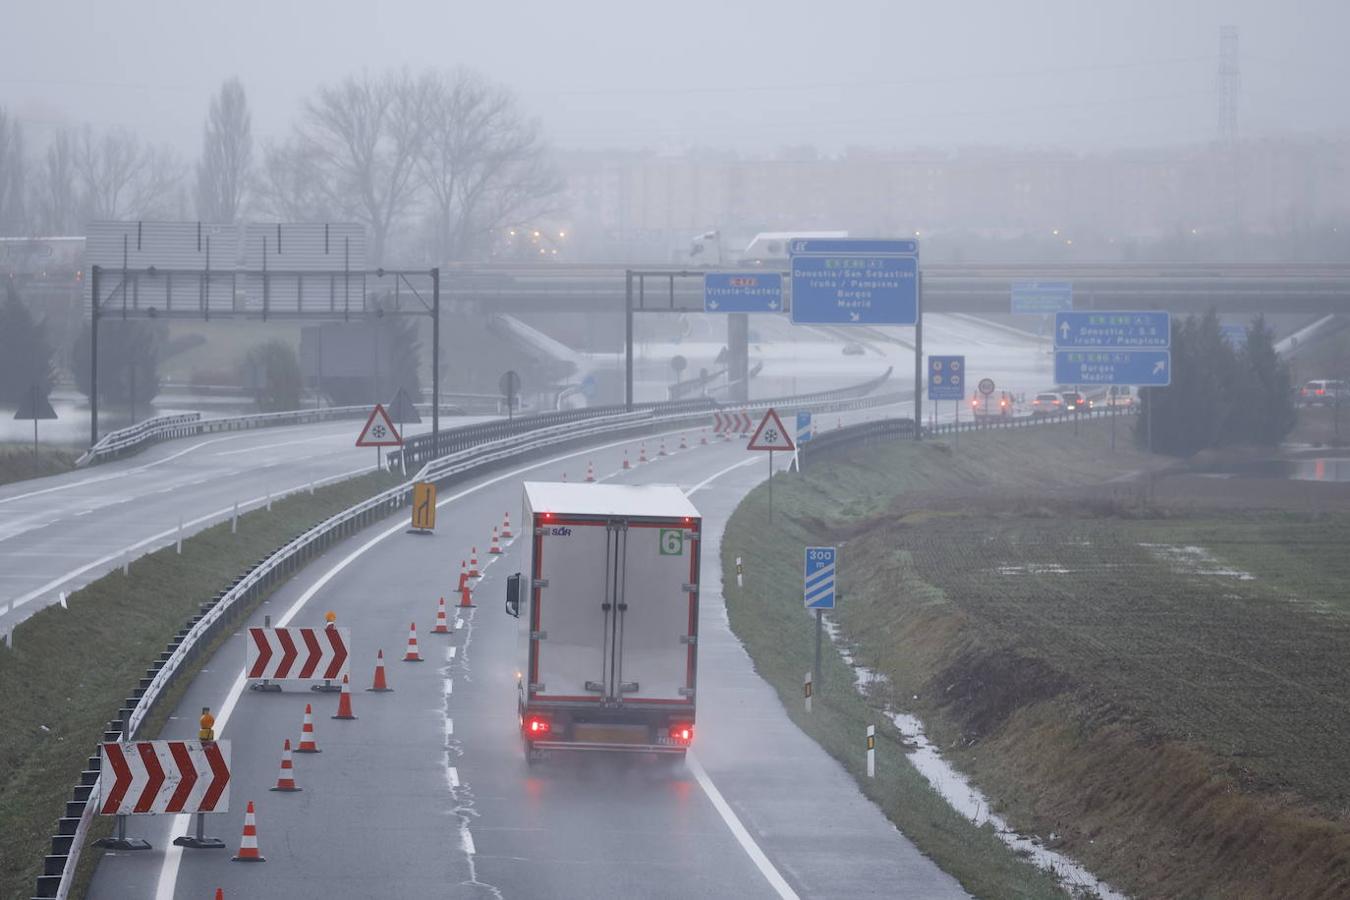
x=771 y=435
x=34 y=406
x=403 y=409
x=379 y=430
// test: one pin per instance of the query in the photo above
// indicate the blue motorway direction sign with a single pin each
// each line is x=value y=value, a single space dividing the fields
x=803 y=427
x=743 y=292
x=1235 y=335
x=946 y=377
x=1041 y=297
x=865 y=246
x=1145 y=368
x=855 y=290
x=1142 y=330
x=818 y=578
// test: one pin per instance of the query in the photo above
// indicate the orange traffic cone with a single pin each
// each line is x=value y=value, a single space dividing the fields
x=642 y=452
x=248 y=847
x=442 y=626
x=345 y=701
x=662 y=451
x=684 y=445
x=466 y=598
x=286 y=780
x=506 y=525
x=220 y=894
x=703 y=437
x=380 y=686
x=412 y=655
x=626 y=464
x=463 y=575
x=473 y=564
x=495 y=548
x=590 y=470
x=307 y=744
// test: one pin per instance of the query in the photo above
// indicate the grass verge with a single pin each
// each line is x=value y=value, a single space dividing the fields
x=1148 y=684
x=69 y=669
x=16 y=461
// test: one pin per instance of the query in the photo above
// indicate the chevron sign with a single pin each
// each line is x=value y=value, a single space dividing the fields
x=731 y=423
x=153 y=777
x=298 y=653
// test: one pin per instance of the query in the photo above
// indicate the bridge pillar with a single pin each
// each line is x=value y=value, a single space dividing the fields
x=738 y=356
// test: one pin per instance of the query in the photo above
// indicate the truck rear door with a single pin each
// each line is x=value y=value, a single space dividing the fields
x=570 y=632
x=657 y=613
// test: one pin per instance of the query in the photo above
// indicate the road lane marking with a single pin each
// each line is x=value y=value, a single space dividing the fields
x=733 y=822
x=173 y=855
x=310 y=440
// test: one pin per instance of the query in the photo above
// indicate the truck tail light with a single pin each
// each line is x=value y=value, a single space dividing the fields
x=682 y=733
x=536 y=727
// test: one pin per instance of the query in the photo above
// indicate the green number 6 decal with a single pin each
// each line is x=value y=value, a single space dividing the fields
x=672 y=542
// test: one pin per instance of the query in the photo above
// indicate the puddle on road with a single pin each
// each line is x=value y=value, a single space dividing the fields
x=1192 y=560
x=965 y=798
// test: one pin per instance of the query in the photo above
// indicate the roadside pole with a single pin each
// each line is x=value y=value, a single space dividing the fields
x=918 y=354
x=770 y=488
x=820 y=628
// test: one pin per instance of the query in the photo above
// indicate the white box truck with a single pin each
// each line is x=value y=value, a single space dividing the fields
x=608 y=618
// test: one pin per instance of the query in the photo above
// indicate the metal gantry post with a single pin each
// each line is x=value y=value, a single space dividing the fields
x=435 y=359
x=918 y=358
x=93 y=356
x=628 y=342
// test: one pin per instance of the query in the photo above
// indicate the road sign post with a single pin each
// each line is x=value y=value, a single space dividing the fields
x=379 y=432
x=743 y=292
x=771 y=436
x=34 y=406
x=818 y=593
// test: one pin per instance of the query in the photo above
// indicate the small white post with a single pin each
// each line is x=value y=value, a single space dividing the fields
x=269 y=501
x=740 y=573
x=126 y=563
x=63 y=600
x=180 y=535
x=311 y=489
x=234 y=519
x=871 y=751
x=806 y=690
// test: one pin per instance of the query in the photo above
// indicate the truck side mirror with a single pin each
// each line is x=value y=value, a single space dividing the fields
x=513 y=595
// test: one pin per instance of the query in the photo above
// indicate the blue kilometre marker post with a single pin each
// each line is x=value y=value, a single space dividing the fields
x=818 y=592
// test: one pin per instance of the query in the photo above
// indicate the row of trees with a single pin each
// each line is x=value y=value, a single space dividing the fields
x=434 y=164
x=1221 y=395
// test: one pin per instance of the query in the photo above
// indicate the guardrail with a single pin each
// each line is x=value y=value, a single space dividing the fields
x=229 y=606
x=899 y=428
x=136 y=437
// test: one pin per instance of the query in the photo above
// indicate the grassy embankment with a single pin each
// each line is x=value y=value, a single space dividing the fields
x=16 y=461
x=70 y=669
x=1157 y=684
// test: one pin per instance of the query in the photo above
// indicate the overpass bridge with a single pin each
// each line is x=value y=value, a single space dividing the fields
x=1231 y=288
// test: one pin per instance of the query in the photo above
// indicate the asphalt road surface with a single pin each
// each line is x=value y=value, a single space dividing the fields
x=61 y=532
x=427 y=794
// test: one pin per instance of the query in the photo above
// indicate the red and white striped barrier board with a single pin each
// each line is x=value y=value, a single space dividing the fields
x=289 y=653
x=154 y=777
x=732 y=422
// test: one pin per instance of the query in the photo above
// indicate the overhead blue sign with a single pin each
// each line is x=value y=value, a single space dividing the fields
x=818 y=578
x=803 y=427
x=865 y=246
x=855 y=290
x=946 y=377
x=1041 y=298
x=1142 y=330
x=1145 y=368
x=1235 y=335
x=743 y=292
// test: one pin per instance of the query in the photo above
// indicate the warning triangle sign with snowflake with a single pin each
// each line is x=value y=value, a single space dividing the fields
x=771 y=435
x=379 y=430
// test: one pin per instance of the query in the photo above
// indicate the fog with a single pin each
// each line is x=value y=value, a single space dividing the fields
x=751 y=76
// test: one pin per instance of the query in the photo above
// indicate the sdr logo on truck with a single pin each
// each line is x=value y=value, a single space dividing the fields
x=672 y=542
x=560 y=531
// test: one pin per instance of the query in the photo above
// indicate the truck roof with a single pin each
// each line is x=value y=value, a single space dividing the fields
x=653 y=500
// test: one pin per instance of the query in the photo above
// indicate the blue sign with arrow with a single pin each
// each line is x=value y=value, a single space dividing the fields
x=1143 y=330
x=946 y=377
x=743 y=292
x=818 y=577
x=855 y=290
x=1145 y=368
x=803 y=427
x=1041 y=297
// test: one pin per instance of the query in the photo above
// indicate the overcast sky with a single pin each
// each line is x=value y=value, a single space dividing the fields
x=748 y=75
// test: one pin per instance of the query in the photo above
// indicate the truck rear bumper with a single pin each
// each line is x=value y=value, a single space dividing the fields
x=608 y=747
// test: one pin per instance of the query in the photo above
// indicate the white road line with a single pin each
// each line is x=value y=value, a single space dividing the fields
x=454 y=777
x=449 y=727
x=309 y=440
x=733 y=822
x=449 y=685
x=173 y=855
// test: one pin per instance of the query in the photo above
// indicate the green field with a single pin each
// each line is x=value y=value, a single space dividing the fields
x=1157 y=683
x=17 y=464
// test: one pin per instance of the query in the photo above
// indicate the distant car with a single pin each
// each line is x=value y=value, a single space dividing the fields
x=853 y=350
x=999 y=403
x=1047 y=404
x=1120 y=397
x=1323 y=392
x=1075 y=402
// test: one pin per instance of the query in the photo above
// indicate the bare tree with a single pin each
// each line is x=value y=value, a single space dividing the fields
x=289 y=184
x=227 y=155
x=12 y=218
x=56 y=200
x=365 y=136
x=123 y=178
x=485 y=165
